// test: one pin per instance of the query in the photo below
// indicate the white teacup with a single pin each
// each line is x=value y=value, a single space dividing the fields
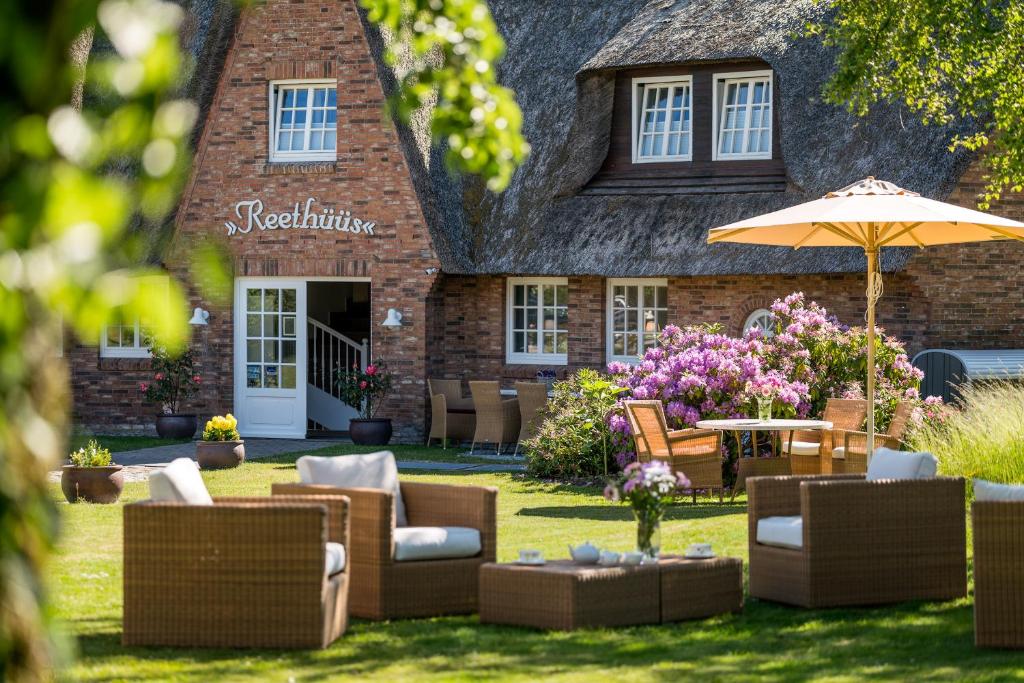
x=608 y=558
x=531 y=556
x=632 y=558
x=699 y=549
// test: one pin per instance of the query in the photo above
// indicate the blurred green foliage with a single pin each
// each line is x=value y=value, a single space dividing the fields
x=945 y=60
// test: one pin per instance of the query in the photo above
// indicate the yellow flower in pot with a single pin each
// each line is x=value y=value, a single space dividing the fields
x=221 y=447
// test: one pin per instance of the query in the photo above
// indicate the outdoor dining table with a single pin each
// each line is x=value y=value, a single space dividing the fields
x=754 y=466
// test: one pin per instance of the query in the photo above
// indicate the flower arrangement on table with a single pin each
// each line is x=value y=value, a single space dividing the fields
x=647 y=487
x=221 y=428
x=174 y=380
x=364 y=390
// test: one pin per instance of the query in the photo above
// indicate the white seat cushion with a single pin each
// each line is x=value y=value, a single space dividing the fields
x=334 y=560
x=781 y=532
x=889 y=464
x=179 y=482
x=839 y=452
x=370 y=470
x=989 y=490
x=435 y=543
x=801 y=447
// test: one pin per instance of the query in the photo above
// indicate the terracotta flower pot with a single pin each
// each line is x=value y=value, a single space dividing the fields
x=373 y=432
x=219 y=455
x=176 y=426
x=92 y=484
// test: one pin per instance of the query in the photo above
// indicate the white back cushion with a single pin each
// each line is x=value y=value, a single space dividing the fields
x=435 y=543
x=989 y=490
x=371 y=471
x=889 y=464
x=179 y=482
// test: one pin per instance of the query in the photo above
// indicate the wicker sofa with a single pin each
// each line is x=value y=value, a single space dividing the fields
x=860 y=542
x=998 y=527
x=385 y=588
x=243 y=572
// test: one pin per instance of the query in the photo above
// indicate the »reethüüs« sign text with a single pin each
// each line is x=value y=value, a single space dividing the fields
x=306 y=216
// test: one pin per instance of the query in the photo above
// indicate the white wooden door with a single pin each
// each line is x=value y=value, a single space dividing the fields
x=270 y=357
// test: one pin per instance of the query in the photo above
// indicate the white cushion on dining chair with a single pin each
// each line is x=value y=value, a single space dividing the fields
x=839 y=452
x=801 y=447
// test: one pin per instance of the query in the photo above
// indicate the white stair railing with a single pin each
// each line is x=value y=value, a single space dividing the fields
x=330 y=351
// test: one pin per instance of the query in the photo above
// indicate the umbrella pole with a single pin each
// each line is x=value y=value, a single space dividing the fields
x=872 y=254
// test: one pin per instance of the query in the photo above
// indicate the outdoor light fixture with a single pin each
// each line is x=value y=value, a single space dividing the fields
x=430 y=271
x=394 y=318
x=199 y=317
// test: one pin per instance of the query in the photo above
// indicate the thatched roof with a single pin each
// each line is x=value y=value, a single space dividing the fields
x=561 y=62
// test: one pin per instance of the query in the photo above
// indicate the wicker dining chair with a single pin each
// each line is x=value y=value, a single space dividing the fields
x=852 y=458
x=451 y=414
x=809 y=451
x=697 y=453
x=998 y=573
x=497 y=419
x=243 y=572
x=533 y=400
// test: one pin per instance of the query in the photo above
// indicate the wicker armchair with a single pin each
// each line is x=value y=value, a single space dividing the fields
x=451 y=415
x=864 y=542
x=810 y=452
x=697 y=453
x=852 y=458
x=998 y=573
x=385 y=589
x=533 y=399
x=244 y=572
x=497 y=419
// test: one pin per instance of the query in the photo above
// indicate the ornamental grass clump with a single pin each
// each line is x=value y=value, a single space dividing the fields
x=983 y=439
x=91 y=455
x=221 y=428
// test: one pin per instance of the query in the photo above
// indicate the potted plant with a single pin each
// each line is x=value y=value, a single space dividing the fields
x=647 y=487
x=174 y=381
x=92 y=476
x=221 y=447
x=365 y=390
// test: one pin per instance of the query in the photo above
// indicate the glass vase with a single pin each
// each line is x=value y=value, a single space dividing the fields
x=764 y=408
x=648 y=532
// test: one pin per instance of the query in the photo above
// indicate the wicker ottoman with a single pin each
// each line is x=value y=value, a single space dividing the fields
x=694 y=589
x=564 y=596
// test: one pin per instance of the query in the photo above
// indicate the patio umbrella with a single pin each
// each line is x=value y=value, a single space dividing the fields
x=870 y=214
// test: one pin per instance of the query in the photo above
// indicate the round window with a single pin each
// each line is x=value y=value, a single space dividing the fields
x=760 y=319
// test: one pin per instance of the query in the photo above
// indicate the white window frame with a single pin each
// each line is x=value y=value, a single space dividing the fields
x=718 y=83
x=610 y=323
x=753 y=317
x=274 y=116
x=640 y=86
x=136 y=350
x=513 y=358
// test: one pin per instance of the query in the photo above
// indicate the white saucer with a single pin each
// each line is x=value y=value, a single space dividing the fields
x=530 y=563
x=695 y=556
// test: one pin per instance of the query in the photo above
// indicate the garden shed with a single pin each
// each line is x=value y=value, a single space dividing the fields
x=946 y=369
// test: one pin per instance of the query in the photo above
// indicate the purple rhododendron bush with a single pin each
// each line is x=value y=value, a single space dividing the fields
x=698 y=372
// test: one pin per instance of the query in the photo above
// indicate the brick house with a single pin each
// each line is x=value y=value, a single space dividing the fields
x=650 y=123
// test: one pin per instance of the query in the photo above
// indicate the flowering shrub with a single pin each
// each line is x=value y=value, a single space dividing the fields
x=174 y=380
x=366 y=389
x=91 y=455
x=221 y=428
x=570 y=440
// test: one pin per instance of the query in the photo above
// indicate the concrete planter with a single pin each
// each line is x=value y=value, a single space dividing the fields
x=372 y=432
x=92 y=484
x=220 y=455
x=176 y=426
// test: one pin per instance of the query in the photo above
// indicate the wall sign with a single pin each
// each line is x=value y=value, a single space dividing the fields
x=306 y=216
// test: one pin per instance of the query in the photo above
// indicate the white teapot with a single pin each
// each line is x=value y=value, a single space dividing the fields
x=585 y=554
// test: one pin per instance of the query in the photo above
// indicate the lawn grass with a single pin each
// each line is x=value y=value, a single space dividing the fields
x=413 y=452
x=920 y=641
x=119 y=442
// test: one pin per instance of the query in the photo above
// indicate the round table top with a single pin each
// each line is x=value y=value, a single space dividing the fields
x=752 y=425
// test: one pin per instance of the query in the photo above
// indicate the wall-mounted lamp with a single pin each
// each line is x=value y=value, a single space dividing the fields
x=430 y=271
x=199 y=317
x=394 y=318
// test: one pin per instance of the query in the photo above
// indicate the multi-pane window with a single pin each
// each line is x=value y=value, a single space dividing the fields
x=305 y=121
x=638 y=310
x=744 y=116
x=538 y=321
x=270 y=336
x=124 y=339
x=664 y=123
x=761 y=319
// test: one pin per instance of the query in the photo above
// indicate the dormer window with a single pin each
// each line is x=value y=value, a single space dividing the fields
x=743 y=116
x=662 y=121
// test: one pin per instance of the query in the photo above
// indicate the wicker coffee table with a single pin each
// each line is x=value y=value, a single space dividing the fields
x=562 y=595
